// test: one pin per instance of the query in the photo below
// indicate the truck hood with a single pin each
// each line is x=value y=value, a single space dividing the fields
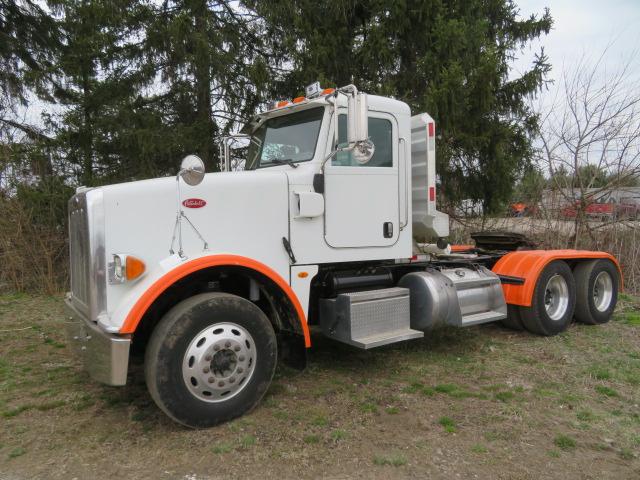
x=240 y=213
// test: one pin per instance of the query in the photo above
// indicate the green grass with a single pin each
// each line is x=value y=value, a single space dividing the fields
x=320 y=421
x=553 y=453
x=564 y=442
x=626 y=454
x=247 y=441
x=338 y=435
x=632 y=318
x=395 y=460
x=16 y=411
x=368 y=408
x=504 y=396
x=311 y=439
x=448 y=424
x=479 y=448
x=17 y=452
x=392 y=410
x=600 y=373
x=222 y=447
x=585 y=416
x=606 y=391
x=447 y=388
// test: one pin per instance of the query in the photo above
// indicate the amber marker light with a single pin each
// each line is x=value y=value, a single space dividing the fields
x=135 y=267
x=303 y=274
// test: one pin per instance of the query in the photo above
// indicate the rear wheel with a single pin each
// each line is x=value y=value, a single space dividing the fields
x=553 y=302
x=597 y=283
x=210 y=359
x=513 y=320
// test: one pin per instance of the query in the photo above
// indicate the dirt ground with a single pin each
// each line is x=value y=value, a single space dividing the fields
x=482 y=402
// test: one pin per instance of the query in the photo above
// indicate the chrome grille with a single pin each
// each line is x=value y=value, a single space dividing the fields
x=86 y=253
x=79 y=252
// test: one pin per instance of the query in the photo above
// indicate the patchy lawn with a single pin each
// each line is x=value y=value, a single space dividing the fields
x=482 y=402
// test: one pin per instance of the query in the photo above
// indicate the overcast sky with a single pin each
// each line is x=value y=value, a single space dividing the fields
x=585 y=27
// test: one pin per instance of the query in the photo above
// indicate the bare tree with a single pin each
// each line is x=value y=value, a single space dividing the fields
x=590 y=134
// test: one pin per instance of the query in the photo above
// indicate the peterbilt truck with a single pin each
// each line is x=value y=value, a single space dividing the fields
x=331 y=225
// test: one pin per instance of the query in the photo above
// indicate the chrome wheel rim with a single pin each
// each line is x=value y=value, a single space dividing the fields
x=602 y=291
x=219 y=362
x=556 y=297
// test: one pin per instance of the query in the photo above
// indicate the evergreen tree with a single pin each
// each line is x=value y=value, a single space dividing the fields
x=449 y=58
x=28 y=36
x=98 y=75
x=211 y=69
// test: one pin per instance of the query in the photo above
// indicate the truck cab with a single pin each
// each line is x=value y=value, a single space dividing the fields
x=331 y=225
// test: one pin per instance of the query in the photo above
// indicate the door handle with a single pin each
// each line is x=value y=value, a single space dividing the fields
x=387 y=229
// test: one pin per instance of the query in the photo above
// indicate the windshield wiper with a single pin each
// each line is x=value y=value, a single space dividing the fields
x=284 y=161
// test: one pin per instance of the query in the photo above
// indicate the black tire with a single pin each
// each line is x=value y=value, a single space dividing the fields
x=166 y=358
x=536 y=319
x=513 y=320
x=588 y=309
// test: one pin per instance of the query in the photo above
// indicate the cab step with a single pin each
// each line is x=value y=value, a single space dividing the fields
x=368 y=319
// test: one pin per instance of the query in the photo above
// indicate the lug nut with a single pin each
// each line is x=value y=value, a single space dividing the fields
x=241 y=358
x=236 y=348
x=211 y=380
x=216 y=347
x=227 y=344
x=240 y=370
x=207 y=358
x=221 y=384
x=205 y=370
x=232 y=379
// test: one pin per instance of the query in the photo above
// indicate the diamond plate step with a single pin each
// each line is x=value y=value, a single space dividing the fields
x=368 y=319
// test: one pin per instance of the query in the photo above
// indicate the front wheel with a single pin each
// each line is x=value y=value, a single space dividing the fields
x=553 y=302
x=210 y=359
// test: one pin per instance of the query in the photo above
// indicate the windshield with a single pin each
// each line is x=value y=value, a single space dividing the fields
x=290 y=138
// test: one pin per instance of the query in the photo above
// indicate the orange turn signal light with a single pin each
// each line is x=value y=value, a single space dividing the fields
x=135 y=267
x=299 y=99
x=328 y=91
x=303 y=274
x=282 y=103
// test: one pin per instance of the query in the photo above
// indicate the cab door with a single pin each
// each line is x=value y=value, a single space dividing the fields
x=361 y=201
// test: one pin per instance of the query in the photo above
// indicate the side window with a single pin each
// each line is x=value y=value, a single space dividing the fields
x=381 y=134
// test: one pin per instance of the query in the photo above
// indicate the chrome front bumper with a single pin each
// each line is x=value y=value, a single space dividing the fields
x=105 y=356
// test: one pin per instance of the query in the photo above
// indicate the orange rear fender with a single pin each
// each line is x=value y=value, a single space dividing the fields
x=528 y=264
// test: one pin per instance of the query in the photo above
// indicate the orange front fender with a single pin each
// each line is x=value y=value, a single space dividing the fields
x=187 y=268
x=528 y=264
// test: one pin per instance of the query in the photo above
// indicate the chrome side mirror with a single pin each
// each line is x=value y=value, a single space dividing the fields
x=192 y=170
x=358 y=128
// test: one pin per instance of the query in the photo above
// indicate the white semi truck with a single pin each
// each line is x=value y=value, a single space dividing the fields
x=332 y=224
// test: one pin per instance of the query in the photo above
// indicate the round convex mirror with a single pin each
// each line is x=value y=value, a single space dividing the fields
x=363 y=151
x=192 y=170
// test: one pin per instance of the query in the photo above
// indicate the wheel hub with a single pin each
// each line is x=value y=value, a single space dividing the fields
x=219 y=362
x=556 y=297
x=602 y=291
x=224 y=363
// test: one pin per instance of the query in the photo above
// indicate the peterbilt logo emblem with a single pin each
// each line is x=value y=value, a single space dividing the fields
x=194 y=203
